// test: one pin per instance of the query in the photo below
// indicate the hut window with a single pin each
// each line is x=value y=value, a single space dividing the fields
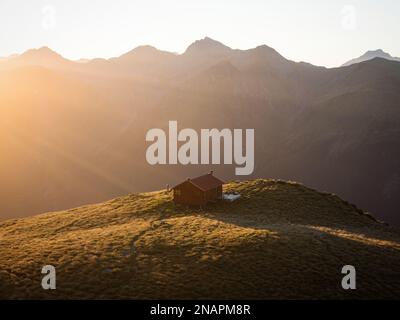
x=177 y=192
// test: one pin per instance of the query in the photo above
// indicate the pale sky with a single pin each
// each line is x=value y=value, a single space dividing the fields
x=322 y=32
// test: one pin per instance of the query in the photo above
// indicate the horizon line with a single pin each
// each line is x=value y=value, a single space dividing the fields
x=77 y=60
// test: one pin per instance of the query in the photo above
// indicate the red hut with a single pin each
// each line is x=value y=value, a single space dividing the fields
x=198 y=191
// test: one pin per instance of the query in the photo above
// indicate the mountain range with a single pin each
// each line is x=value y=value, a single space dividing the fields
x=73 y=133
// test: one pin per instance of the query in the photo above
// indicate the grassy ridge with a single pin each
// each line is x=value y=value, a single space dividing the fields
x=280 y=240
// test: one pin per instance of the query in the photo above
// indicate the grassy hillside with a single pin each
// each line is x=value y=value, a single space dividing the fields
x=280 y=240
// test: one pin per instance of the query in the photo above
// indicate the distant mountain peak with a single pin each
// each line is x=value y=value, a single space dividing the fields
x=377 y=51
x=42 y=51
x=207 y=46
x=140 y=50
x=45 y=49
x=369 y=55
x=145 y=49
x=144 y=52
x=266 y=49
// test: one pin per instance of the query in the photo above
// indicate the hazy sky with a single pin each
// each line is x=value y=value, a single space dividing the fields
x=322 y=32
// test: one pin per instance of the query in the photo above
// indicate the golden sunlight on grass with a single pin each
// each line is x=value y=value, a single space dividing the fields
x=280 y=240
x=358 y=237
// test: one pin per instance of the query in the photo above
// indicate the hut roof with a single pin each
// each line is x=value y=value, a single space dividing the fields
x=205 y=182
